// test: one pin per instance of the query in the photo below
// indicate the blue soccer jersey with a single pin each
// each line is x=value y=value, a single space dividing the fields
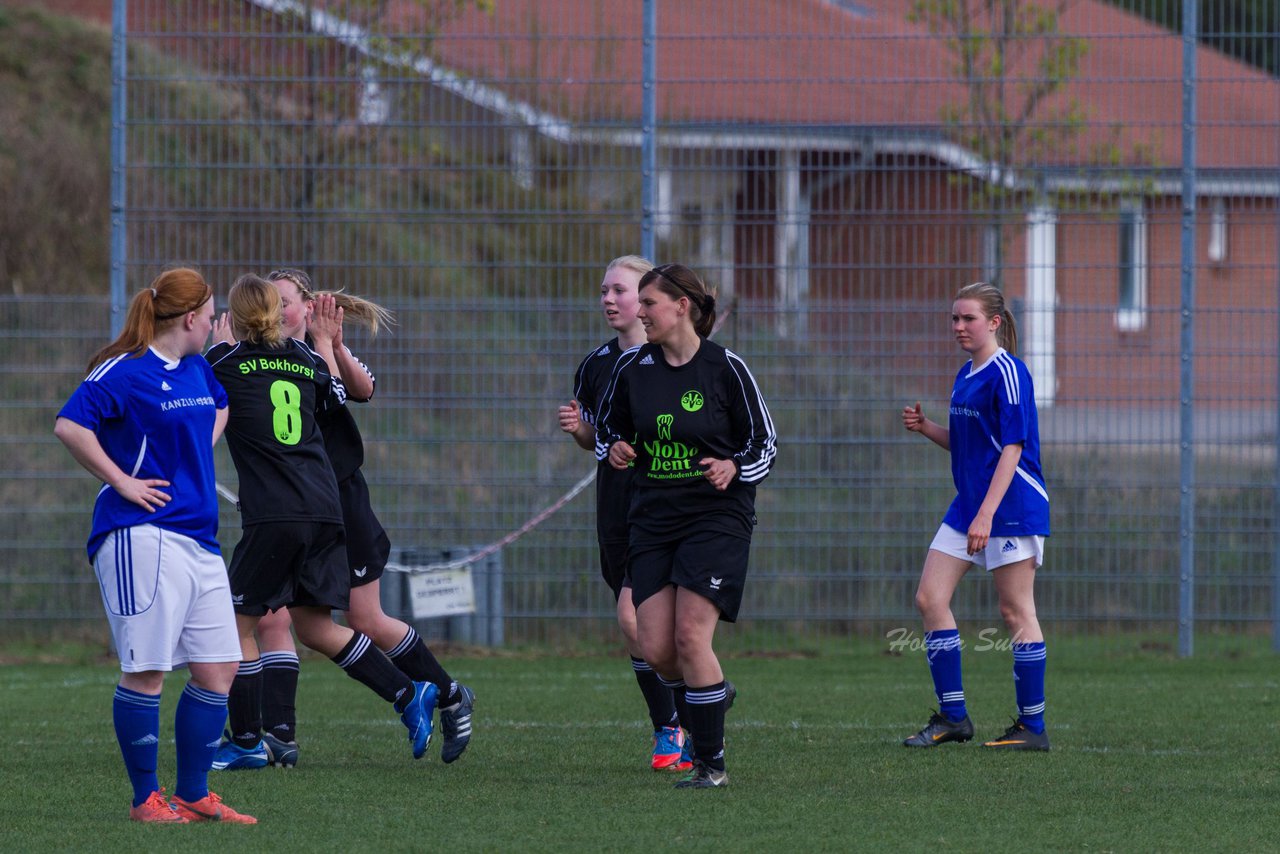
x=993 y=405
x=154 y=418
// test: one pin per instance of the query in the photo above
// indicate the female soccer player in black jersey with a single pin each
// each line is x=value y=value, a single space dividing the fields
x=368 y=546
x=620 y=301
x=292 y=552
x=703 y=439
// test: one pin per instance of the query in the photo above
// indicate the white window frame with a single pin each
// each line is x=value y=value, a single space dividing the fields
x=1217 y=249
x=1131 y=307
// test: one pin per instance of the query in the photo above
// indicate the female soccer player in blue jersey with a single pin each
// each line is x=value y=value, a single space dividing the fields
x=689 y=415
x=620 y=301
x=144 y=422
x=998 y=520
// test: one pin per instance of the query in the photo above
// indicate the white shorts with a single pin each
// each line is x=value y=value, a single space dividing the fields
x=167 y=599
x=1000 y=551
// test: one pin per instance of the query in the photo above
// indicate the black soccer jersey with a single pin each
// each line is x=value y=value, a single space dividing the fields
x=342 y=437
x=613 y=487
x=708 y=407
x=274 y=395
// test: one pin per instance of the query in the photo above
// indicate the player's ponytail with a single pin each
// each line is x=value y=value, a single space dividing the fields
x=1007 y=334
x=989 y=297
x=257 y=313
x=172 y=295
x=366 y=312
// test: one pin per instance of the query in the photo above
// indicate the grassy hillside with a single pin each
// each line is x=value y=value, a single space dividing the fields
x=219 y=178
x=55 y=73
x=241 y=174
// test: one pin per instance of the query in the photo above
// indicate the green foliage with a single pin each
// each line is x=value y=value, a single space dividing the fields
x=559 y=761
x=1247 y=30
x=1015 y=62
x=1012 y=57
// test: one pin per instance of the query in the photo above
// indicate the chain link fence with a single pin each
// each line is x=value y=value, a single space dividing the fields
x=837 y=169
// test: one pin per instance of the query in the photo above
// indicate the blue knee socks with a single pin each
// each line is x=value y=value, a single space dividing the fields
x=137 y=723
x=197 y=731
x=942 y=648
x=1028 y=683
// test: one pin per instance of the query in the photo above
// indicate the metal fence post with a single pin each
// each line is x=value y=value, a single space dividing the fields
x=119 y=68
x=1275 y=478
x=1186 y=380
x=648 y=128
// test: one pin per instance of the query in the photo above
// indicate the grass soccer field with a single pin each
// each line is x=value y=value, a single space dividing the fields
x=1149 y=753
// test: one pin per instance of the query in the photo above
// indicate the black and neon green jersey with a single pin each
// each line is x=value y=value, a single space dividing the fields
x=678 y=415
x=613 y=487
x=274 y=395
x=342 y=437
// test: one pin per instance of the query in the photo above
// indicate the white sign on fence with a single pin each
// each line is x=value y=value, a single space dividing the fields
x=441 y=593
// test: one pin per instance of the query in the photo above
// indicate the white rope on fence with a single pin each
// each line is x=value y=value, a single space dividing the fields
x=533 y=522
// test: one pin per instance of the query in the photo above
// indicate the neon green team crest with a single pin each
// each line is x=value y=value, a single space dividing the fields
x=691 y=401
x=669 y=460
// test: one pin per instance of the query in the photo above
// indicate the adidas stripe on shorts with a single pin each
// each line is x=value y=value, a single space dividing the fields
x=167 y=599
x=1000 y=551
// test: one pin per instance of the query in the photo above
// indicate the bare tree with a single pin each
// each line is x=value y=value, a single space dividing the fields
x=1011 y=58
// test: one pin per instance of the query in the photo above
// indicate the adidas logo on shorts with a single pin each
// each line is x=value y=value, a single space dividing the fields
x=1009 y=546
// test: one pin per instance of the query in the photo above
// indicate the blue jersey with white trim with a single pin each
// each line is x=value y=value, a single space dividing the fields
x=154 y=418
x=993 y=405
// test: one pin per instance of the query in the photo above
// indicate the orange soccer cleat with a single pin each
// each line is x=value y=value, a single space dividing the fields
x=210 y=808
x=157 y=810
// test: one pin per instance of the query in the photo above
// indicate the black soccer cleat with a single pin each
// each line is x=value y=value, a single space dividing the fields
x=280 y=754
x=455 y=725
x=1018 y=737
x=940 y=730
x=703 y=777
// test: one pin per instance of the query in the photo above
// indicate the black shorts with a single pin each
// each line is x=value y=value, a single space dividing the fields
x=277 y=564
x=613 y=565
x=710 y=563
x=368 y=547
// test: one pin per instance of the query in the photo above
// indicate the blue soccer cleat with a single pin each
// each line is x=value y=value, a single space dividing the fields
x=455 y=724
x=232 y=757
x=668 y=746
x=417 y=716
x=685 y=763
